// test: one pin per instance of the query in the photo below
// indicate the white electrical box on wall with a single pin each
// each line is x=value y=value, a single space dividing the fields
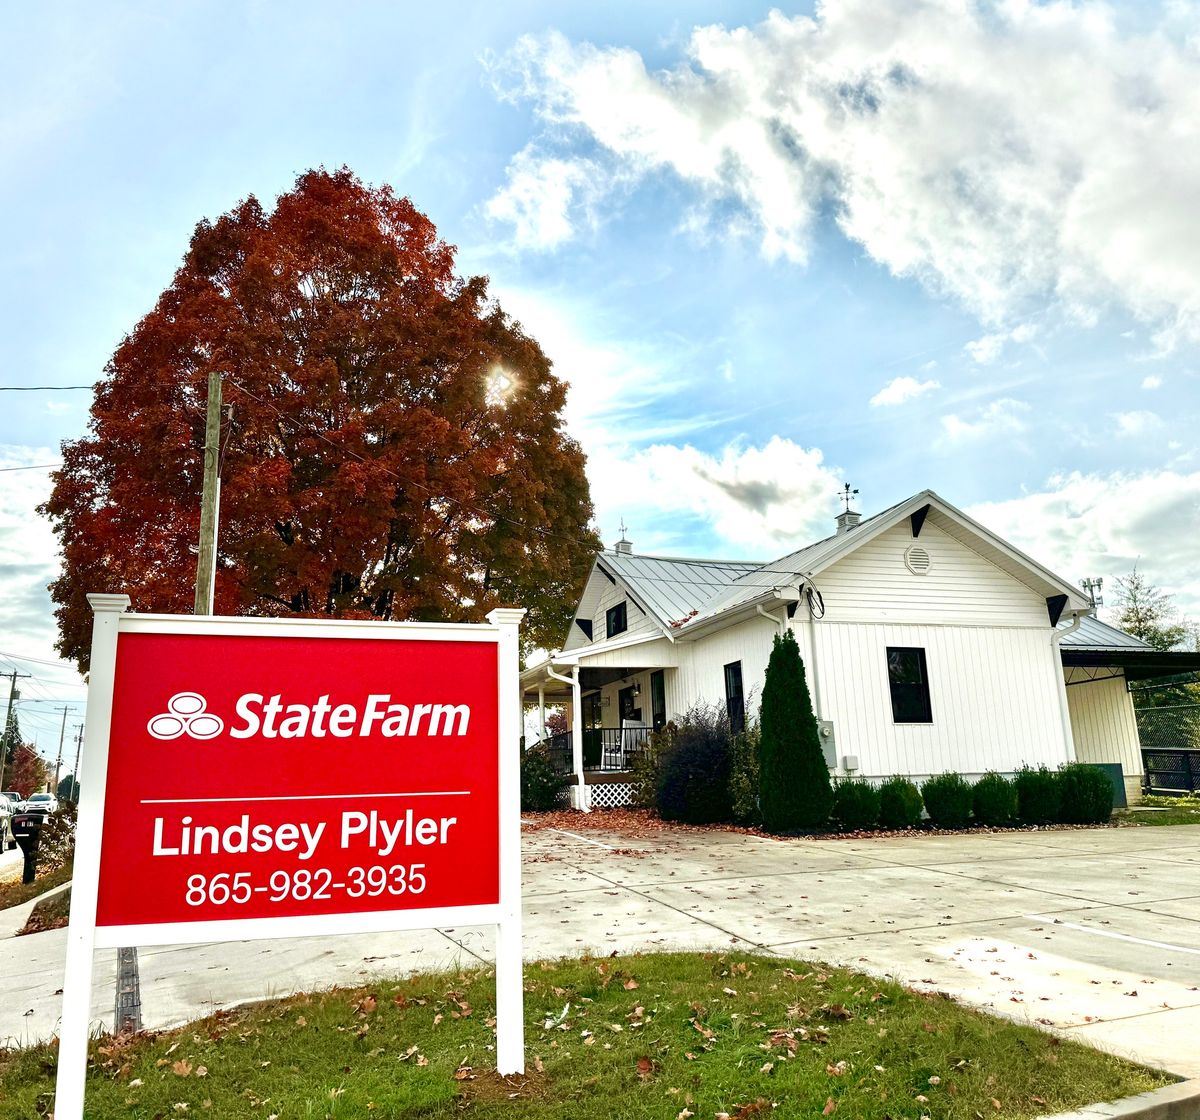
x=828 y=746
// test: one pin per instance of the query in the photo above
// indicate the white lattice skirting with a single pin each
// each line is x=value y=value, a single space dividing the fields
x=611 y=795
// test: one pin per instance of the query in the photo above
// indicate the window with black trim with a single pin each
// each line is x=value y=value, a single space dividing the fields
x=909 y=683
x=615 y=621
x=735 y=703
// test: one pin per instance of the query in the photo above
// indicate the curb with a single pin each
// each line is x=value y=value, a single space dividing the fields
x=1173 y=1102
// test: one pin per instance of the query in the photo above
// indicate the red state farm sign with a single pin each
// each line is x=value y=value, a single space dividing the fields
x=269 y=776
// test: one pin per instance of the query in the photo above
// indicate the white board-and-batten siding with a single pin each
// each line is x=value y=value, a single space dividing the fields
x=1103 y=721
x=872 y=584
x=992 y=691
x=993 y=673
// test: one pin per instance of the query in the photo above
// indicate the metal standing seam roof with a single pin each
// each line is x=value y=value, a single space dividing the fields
x=1094 y=634
x=783 y=571
x=674 y=587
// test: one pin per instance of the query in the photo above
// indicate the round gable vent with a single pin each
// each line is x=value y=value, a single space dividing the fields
x=917 y=560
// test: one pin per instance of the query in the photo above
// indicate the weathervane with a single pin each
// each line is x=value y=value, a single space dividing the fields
x=622 y=527
x=846 y=494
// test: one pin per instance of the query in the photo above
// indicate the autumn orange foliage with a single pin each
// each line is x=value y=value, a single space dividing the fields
x=394 y=447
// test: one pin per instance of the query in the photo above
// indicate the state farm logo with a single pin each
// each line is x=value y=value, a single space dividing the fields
x=186 y=715
x=269 y=717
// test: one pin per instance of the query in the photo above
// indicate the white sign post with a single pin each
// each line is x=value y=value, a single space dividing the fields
x=197 y=728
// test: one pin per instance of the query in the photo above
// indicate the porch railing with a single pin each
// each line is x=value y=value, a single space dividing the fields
x=604 y=748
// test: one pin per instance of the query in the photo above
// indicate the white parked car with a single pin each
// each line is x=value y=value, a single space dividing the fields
x=40 y=803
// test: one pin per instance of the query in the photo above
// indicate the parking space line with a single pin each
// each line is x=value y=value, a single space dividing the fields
x=576 y=836
x=1114 y=935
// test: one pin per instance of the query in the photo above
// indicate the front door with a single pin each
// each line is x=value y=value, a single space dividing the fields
x=658 y=700
x=591 y=730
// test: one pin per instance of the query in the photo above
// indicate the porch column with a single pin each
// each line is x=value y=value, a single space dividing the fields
x=542 y=709
x=577 y=730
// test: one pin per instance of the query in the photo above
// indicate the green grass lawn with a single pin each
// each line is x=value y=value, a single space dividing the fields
x=1177 y=810
x=657 y=1036
x=15 y=892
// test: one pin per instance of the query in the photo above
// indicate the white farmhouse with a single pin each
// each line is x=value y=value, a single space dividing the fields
x=930 y=644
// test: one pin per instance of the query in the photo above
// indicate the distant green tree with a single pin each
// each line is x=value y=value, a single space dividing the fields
x=68 y=789
x=1148 y=613
x=11 y=739
x=794 y=791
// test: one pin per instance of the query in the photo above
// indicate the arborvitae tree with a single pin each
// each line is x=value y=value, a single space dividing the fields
x=794 y=790
x=1149 y=613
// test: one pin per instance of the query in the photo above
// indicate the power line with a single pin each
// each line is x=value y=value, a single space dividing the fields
x=34 y=467
x=40 y=388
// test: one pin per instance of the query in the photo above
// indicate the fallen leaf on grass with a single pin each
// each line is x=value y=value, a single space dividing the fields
x=181 y=1068
x=830 y=1107
x=631 y=985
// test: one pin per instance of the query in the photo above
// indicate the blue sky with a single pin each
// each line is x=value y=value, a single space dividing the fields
x=904 y=244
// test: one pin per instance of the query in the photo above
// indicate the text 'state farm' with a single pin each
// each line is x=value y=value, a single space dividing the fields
x=261 y=776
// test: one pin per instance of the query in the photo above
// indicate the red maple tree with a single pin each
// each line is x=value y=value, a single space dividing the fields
x=394 y=445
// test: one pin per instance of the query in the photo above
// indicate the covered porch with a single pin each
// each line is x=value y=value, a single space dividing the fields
x=608 y=713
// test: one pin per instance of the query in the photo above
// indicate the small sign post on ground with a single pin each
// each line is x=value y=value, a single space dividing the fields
x=253 y=778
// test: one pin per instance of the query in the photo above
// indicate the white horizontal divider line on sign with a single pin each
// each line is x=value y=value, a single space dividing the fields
x=301 y=797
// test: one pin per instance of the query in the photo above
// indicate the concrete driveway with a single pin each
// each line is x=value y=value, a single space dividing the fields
x=1095 y=933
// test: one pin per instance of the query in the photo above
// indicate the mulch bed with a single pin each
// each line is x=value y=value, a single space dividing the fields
x=645 y=824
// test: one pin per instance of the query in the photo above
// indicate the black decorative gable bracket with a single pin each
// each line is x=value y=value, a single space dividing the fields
x=585 y=624
x=1055 y=605
x=917 y=519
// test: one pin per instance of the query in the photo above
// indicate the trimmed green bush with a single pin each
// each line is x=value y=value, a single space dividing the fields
x=1086 y=794
x=1039 y=799
x=542 y=784
x=855 y=805
x=994 y=800
x=693 y=776
x=794 y=789
x=948 y=800
x=745 y=751
x=900 y=804
x=646 y=764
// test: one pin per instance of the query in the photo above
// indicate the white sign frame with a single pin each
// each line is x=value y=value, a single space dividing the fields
x=111 y=618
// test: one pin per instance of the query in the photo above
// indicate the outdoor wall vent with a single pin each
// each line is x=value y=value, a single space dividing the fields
x=917 y=560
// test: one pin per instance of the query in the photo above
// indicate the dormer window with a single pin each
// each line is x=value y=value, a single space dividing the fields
x=615 y=621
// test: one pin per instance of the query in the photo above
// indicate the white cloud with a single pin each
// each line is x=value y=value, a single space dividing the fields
x=546 y=199
x=28 y=562
x=1101 y=525
x=1001 y=417
x=1010 y=155
x=1152 y=381
x=987 y=349
x=766 y=498
x=1137 y=423
x=901 y=389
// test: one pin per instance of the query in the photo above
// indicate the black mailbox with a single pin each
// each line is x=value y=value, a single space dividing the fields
x=27 y=831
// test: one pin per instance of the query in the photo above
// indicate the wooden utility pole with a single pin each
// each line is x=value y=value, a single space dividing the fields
x=58 y=761
x=78 y=748
x=210 y=501
x=13 y=677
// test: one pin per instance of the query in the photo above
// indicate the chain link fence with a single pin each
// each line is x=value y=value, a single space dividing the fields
x=1170 y=738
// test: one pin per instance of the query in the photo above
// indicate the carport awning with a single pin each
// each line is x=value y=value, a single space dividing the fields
x=1138 y=664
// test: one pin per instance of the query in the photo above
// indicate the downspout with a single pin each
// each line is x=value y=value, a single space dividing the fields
x=1063 y=707
x=581 y=798
x=814 y=671
x=780 y=622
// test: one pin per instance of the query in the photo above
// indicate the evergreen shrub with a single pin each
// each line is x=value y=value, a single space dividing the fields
x=1086 y=794
x=542 y=784
x=693 y=776
x=855 y=805
x=994 y=800
x=646 y=765
x=745 y=751
x=899 y=804
x=794 y=788
x=1038 y=795
x=948 y=800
